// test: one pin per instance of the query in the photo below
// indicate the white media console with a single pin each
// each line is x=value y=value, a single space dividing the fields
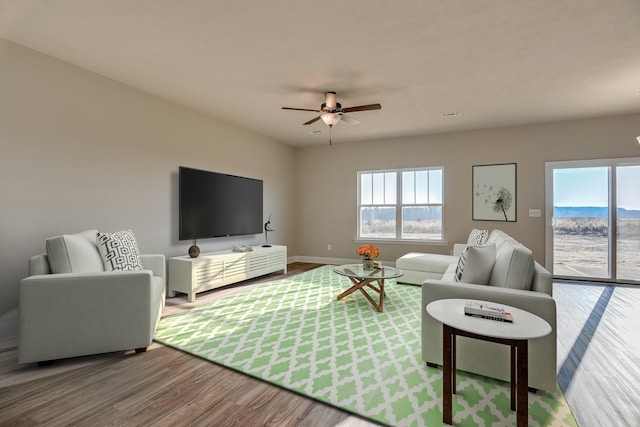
x=215 y=269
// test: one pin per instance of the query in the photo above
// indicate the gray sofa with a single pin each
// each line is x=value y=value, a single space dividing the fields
x=514 y=279
x=70 y=306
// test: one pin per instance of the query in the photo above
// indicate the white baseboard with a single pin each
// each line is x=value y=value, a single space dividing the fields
x=332 y=261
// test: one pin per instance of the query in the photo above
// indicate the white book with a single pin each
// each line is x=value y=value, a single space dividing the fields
x=487 y=311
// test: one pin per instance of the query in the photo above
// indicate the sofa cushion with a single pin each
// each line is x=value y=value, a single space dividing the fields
x=514 y=264
x=74 y=253
x=477 y=237
x=119 y=251
x=475 y=264
x=418 y=261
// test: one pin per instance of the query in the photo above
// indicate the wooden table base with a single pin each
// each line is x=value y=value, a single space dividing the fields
x=359 y=284
x=519 y=372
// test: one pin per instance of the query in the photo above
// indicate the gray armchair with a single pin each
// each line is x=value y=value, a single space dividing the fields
x=516 y=280
x=82 y=311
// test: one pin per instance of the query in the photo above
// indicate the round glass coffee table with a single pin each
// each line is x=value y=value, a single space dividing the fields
x=362 y=279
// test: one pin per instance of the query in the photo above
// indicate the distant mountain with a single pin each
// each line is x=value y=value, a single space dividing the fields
x=592 y=212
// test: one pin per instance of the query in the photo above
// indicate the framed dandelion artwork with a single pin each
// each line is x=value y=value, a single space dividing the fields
x=494 y=192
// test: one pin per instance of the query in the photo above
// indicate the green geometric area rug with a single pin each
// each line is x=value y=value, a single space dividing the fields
x=294 y=333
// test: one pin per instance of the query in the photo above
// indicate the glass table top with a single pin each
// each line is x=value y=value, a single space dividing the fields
x=357 y=271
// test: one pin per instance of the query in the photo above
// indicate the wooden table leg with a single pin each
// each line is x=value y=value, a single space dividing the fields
x=454 y=368
x=359 y=284
x=513 y=376
x=519 y=359
x=447 y=392
x=522 y=383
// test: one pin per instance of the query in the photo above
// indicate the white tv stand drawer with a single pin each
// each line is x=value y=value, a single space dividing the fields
x=215 y=269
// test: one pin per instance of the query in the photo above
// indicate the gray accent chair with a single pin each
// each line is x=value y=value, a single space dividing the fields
x=515 y=280
x=69 y=306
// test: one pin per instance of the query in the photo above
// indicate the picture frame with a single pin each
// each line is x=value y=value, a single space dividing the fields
x=494 y=192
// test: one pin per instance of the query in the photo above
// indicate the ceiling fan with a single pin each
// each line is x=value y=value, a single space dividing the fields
x=332 y=111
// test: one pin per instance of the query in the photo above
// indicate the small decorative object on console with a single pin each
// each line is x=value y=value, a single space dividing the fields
x=368 y=253
x=487 y=311
x=243 y=248
x=194 y=250
x=267 y=229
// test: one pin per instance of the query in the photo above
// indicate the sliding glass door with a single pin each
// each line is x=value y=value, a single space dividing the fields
x=628 y=222
x=593 y=220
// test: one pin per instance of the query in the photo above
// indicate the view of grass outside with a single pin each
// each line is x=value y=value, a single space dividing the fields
x=418 y=223
x=581 y=248
x=581 y=234
x=417 y=230
x=629 y=249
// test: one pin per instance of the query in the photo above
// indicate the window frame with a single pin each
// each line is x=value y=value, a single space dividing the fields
x=399 y=205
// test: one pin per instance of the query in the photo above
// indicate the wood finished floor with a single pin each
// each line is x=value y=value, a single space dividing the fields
x=599 y=352
x=598 y=360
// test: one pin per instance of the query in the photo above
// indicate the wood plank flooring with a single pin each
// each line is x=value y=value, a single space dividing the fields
x=598 y=359
x=599 y=352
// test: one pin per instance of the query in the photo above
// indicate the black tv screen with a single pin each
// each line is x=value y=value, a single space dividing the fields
x=213 y=204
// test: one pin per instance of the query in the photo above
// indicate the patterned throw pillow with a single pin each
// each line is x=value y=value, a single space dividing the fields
x=477 y=237
x=475 y=264
x=119 y=251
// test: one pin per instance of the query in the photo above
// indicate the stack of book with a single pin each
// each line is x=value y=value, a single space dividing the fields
x=242 y=248
x=487 y=311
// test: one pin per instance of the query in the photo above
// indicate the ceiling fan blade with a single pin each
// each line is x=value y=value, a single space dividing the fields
x=300 y=109
x=362 y=108
x=315 y=119
x=349 y=119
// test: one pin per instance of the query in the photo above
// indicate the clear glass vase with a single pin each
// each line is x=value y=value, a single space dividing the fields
x=368 y=263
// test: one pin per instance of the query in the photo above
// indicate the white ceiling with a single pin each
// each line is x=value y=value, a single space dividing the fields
x=495 y=62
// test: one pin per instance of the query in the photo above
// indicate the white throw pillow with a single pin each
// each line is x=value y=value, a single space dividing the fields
x=475 y=264
x=119 y=251
x=477 y=237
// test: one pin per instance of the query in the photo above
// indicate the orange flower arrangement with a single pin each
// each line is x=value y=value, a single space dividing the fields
x=368 y=251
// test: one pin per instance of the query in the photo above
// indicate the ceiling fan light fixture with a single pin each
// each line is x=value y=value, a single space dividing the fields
x=330 y=119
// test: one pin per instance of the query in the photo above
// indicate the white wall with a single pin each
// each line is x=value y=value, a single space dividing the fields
x=80 y=151
x=326 y=191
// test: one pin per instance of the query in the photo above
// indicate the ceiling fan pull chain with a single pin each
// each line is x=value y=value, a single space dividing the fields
x=330 y=127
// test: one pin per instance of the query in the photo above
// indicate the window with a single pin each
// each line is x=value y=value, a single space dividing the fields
x=403 y=204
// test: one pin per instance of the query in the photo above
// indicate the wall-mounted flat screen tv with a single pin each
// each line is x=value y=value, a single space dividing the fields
x=213 y=204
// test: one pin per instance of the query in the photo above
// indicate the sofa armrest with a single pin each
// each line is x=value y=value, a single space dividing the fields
x=155 y=263
x=542 y=280
x=71 y=314
x=538 y=303
x=39 y=264
x=542 y=351
x=458 y=248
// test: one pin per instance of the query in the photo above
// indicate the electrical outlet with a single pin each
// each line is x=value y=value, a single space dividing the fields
x=329 y=247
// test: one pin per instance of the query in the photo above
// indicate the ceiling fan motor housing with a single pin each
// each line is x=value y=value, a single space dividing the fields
x=336 y=109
